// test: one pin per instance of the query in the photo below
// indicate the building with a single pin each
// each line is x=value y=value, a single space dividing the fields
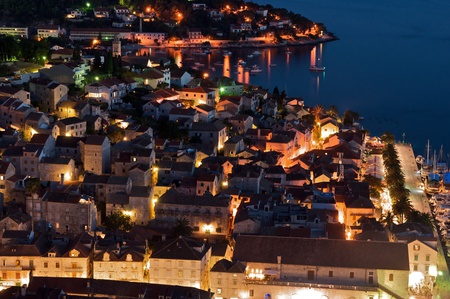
x=121 y=261
x=309 y=268
x=72 y=126
x=62 y=211
x=14 y=31
x=214 y=133
x=49 y=93
x=95 y=154
x=181 y=261
x=45 y=31
x=94 y=33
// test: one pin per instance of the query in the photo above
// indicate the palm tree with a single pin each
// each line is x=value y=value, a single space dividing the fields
x=333 y=112
x=388 y=221
x=317 y=112
x=182 y=228
x=421 y=217
x=388 y=137
x=401 y=208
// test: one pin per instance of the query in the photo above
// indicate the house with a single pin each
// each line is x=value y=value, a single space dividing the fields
x=71 y=259
x=246 y=178
x=78 y=109
x=214 y=134
x=195 y=35
x=322 y=262
x=95 y=154
x=208 y=215
x=179 y=78
x=207 y=183
x=57 y=170
x=72 y=126
x=48 y=93
x=62 y=54
x=228 y=107
x=64 y=211
x=328 y=127
x=227 y=277
x=198 y=95
x=153 y=77
x=101 y=12
x=110 y=91
x=126 y=260
x=233 y=146
x=206 y=113
x=283 y=144
x=241 y=123
x=67 y=73
x=16 y=93
x=16 y=220
x=229 y=87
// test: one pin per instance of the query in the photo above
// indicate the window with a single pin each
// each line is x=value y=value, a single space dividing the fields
x=310 y=274
x=427 y=268
x=416 y=247
x=391 y=277
x=180 y=273
x=416 y=257
x=427 y=258
x=251 y=293
x=219 y=281
x=57 y=265
x=352 y=274
x=219 y=291
x=416 y=267
x=330 y=273
x=17 y=275
x=45 y=264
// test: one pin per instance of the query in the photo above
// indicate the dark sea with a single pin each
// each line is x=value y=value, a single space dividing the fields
x=391 y=64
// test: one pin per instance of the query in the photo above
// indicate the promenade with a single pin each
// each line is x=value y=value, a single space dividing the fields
x=420 y=202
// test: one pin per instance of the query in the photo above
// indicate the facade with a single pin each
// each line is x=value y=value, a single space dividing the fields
x=72 y=126
x=198 y=95
x=14 y=31
x=95 y=154
x=182 y=262
x=304 y=268
x=45 y=31
x=49 y=93
x=108 y=91
x=63 y=211
x=57 y=169
x=121 y=261
x=206 y=214
x=215 y=133
x=94 y=33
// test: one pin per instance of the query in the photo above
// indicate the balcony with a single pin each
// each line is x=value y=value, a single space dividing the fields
x=340 y=285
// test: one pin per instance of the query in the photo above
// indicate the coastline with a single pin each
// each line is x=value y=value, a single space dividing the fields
x=217 y=44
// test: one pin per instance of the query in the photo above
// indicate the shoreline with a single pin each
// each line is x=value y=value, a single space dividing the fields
x=244 y=44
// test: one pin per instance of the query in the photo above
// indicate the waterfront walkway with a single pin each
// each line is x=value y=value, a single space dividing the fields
x=419 y=201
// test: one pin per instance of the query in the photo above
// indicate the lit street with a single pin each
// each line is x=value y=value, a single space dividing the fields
x=419 y=201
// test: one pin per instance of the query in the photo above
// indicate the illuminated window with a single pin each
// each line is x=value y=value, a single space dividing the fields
x=219 y=291
x=391 y=277
x=416 y=247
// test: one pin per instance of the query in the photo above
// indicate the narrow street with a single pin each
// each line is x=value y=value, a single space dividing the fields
x=419 y=201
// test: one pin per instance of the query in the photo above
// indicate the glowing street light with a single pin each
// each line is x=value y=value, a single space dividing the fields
x=88 y=4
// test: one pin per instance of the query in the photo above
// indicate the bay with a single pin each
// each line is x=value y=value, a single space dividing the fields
x=391 y=65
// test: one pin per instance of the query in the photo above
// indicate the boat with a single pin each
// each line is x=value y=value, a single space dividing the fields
x=255 y=69
x=218 y=63
x=212 y=68
x=199 y=53
x=426 y=164
x=273 y=65
x=256 y=52
x=250 y=55
x=226 y=53
x=288 y=51
x=207 y=52
x=441 y=164
x=242 y=63
x=433 y=183
x=199 y=64
x=316 y=62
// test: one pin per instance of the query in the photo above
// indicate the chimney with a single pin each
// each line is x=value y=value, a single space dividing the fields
x=62 y=179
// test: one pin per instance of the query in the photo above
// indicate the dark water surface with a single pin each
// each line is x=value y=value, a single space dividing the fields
x=391 y=64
